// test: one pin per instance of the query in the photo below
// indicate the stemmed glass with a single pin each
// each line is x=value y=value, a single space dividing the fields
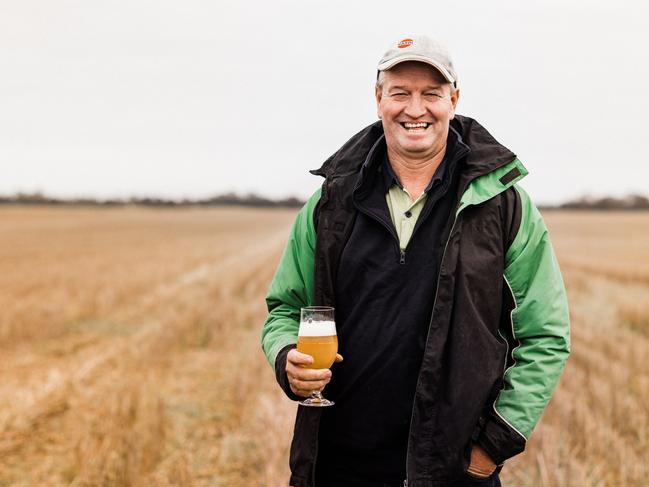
x=317 y=337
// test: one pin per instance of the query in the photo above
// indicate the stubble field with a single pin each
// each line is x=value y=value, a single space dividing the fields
x=129 y=351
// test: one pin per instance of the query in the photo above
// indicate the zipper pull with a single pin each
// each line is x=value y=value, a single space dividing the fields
x=402 y=257
x=405 y=483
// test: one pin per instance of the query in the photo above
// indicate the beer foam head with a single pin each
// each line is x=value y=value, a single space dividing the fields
x=317 y=329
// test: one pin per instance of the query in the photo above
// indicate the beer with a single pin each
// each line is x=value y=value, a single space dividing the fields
x=317 y=337
x=320 y=341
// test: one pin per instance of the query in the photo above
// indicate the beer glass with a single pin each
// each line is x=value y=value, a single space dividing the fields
x=317 y=337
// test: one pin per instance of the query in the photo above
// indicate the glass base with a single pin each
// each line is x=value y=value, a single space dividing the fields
x=316 y=402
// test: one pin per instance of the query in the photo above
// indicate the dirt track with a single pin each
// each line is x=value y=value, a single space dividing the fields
x=140 y=394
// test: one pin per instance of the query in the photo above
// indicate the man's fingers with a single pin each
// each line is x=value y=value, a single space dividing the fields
x=339 y=358
x=301 y=373
x=299 y=358
x=304 y=381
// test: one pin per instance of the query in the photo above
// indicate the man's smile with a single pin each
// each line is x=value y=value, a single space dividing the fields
x=415 y=126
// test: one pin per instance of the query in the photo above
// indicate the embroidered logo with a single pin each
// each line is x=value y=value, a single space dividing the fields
x=404 y=43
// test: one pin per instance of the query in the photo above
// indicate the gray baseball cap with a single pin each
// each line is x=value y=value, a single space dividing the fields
x=423 y=49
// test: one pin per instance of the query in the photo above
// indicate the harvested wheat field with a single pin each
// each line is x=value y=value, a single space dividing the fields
x=130 y=356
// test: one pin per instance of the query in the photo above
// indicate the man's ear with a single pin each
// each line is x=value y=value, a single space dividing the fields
x=454 y=99
x=378 y=94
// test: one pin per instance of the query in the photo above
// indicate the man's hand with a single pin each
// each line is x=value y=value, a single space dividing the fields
x=482 y=465
x=304 y=381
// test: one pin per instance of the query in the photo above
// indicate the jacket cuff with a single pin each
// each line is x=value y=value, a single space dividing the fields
x=280 y=372
x=500 y=440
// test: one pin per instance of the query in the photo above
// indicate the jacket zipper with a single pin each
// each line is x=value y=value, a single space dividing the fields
x=424 y=214
x=450 y=234
x=401 y=252
x=392 y=230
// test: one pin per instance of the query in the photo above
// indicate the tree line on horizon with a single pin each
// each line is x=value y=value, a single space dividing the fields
x=228 y=199
x=630 y=202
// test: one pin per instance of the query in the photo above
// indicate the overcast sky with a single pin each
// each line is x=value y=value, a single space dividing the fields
x=194 y=98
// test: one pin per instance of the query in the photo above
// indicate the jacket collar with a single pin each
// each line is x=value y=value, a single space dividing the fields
x=377 y=165
x=454 y=142
x=486 y=154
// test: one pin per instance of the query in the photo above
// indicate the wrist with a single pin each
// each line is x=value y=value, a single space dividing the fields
x=280 y=373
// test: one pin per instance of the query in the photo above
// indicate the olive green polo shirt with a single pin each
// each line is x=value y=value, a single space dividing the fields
x=404 y=212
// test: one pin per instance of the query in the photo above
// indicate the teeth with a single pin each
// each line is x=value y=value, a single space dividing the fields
x=418 y=125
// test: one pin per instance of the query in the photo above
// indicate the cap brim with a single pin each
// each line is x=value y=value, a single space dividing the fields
x=413 y=57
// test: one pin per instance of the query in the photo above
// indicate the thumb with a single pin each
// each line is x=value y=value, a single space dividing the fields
x=339 y=358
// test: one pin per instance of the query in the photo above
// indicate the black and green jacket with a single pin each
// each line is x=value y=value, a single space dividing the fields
x=499 y=331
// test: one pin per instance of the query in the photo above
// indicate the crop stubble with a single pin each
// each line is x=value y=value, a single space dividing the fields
x=129 y=351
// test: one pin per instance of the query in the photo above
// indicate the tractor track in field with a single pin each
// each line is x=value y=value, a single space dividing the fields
x=43 y=383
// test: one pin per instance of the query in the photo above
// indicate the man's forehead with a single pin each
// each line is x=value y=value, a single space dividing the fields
x=408 y=86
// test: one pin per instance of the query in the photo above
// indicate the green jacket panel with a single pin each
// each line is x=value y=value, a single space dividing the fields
x=540 y=323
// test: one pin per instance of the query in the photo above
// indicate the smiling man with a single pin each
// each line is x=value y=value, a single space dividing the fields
x=450 y=308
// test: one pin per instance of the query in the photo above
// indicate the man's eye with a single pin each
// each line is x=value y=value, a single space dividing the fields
x=399 y=95
x=433 y=95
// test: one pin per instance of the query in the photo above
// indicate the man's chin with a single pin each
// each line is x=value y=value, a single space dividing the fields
x=417 y=141
x=417 y=149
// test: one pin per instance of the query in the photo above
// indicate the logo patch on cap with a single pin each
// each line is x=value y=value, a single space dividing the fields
x=404 y=43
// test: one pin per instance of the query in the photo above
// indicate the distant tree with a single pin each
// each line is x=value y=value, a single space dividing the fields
x=228 y=199
x=631 y=202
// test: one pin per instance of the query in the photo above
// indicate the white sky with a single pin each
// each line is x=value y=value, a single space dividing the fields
x=194 y=98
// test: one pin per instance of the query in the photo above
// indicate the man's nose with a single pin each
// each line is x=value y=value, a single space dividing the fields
x=415 y=108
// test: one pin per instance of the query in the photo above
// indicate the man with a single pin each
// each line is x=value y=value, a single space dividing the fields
x=450 y=308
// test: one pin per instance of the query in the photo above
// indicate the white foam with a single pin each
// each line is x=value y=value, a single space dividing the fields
x=317 y=329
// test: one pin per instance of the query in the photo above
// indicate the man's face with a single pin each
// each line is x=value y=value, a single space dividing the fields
x=416 y=105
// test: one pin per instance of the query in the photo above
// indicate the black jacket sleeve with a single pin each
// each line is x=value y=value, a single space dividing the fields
x=280 y=373
x=499 y=440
